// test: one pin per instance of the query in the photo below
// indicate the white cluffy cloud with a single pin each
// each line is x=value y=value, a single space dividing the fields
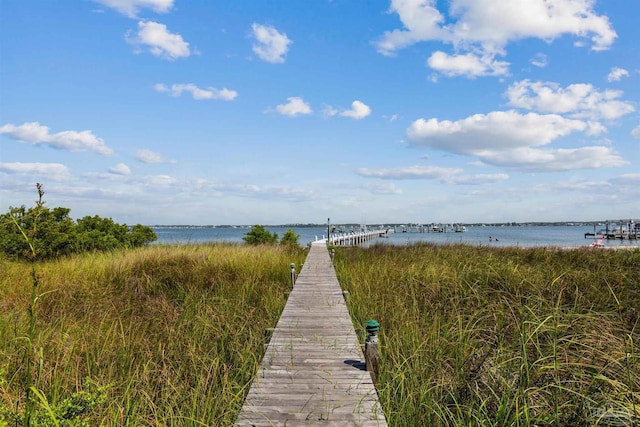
x=510 y=139
x=159 y=41
x=481 y=29
x=635 y=132
x=196 y=92
x=577 y=100
x=616 y=74
x=470 y=65
x=270 y=45
x=359 y=110
x=148 y=156
x=120 y=169
x=131 y=8
x=294 y=107
x=445 y=175
x=540 y=60
x=69 y=140
x=53 y=171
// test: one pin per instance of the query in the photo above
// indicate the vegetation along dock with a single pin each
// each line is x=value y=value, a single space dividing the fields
x=313 y=370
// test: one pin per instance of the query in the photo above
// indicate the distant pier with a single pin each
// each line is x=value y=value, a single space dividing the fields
x=341 y=236
x=617 y=230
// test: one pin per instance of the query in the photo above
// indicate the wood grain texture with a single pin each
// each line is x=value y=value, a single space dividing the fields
x=312 y=373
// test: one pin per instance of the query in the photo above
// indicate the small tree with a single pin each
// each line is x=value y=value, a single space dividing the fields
x=258 y=235
x=290 y=238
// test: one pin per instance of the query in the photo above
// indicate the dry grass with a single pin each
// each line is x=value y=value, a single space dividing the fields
x=174 y=332
x=501 y=337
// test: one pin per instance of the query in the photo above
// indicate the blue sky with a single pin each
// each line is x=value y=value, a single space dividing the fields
x=288 y=111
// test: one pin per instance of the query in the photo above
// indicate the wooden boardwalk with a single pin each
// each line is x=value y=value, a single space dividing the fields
x=313 y=373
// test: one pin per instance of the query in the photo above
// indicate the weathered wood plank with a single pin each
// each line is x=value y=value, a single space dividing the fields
x=312 y=373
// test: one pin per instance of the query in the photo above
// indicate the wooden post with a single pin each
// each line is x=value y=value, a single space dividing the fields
x=293 y=274
x=371 y=354
x=332 y=254
x=328 y=231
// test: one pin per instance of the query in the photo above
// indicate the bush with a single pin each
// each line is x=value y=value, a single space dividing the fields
x=258 y=235
x=290 y=238
x=52 y=233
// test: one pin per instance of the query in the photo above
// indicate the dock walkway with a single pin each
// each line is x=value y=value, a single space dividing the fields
x=312 y=373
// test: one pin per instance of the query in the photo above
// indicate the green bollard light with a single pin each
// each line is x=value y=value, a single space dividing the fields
x=373 y=327
x=371 y=354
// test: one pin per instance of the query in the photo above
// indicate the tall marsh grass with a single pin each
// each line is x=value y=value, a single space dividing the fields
x=162 y=335
x=476 y=336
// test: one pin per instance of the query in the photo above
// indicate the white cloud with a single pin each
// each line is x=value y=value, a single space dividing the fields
x=294 y=107
x=444 y=175
x=479 y=179
x=382 y=189
x=510 y=139
x=616 y=74
x=54 y=171
x=422 y=21
x=494 y=23
x=252 y=190
x=359 y=110
x=37 y=134
x=578 y=100
x=469 y=65
x=148 y=156
x=271 y=45
x=120 y=169
x=410 y=172
x=160 y=41
x=635 y=132
x=551 y=160
x=498 y=129
x=131 y=8
x=628 y=179
x=329 y=111
x=485 y=27
x=196 y=92
x=540 y=60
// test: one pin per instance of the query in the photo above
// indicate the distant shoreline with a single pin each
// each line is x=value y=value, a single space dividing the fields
x=400 y=224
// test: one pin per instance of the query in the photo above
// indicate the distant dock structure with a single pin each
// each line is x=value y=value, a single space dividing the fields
x=616 y=230
x=432 y=228
x=341 y=235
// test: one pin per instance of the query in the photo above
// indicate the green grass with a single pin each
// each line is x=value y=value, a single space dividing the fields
x=163 y=335
x=501 y=337
x=172 y=335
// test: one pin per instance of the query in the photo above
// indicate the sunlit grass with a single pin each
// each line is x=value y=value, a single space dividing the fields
x=175 y=332
x=501 y=337
x=470 y=335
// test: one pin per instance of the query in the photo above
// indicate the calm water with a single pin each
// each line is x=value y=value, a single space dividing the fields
x=563 y=236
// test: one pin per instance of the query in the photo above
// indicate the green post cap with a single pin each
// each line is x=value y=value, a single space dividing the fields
x=373 y=327
x=292 y=265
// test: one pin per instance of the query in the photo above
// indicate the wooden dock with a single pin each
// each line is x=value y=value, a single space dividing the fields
x=356 y=238
x=312 y=373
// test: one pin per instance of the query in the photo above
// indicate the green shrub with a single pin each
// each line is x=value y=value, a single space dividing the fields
x=290 y=238
x=53 y=233
x=258 y=235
